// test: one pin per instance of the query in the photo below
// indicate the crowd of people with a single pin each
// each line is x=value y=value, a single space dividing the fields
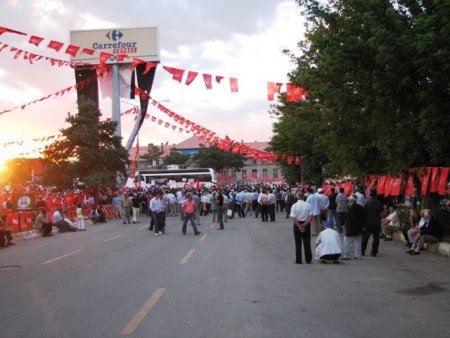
x=359 y=219
x=315 y=214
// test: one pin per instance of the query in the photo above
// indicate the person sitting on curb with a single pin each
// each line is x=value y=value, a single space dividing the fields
x=97 y=215
x=430 y=232
x=328 y=245
x=62 y=224
x=42 y=223
x=414 y=226
x=391 y=223
x=5 y=235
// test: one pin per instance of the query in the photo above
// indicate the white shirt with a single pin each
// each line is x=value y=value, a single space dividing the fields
x=301 y=211
x=360 y=198
x=324 y=201
x=314 y=201
x=328 y=243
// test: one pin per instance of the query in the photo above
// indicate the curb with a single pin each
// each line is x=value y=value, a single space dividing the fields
x=34 y=233
x=442 y=247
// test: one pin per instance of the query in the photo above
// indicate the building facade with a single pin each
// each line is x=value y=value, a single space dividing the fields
x=253 y=171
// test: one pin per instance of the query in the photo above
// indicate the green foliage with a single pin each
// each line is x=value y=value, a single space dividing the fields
x=378 y=90
x=175 y=157
x=21 y=170
x=153 y=153
x=213 y=157
x=90 y=152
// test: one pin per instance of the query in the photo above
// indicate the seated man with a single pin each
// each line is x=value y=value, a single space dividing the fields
x=61 y=223
x=391 y=223
x=5 y=235
x=430 y=232
x=43 y=224
x=328 y=245
x=97 y=215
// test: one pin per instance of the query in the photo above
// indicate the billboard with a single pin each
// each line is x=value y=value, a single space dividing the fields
x=141 y=43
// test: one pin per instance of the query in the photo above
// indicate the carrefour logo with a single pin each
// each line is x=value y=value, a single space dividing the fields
x=114 y=35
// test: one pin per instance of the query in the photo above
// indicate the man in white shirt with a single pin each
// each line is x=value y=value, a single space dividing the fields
x=314 y=201
x=301 y=214
x=328 y=245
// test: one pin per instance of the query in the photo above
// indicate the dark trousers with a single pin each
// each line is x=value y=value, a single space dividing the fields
x=375 y=232
x=264 y=212
x=240 y=210
x=271 y=211
x=304 y=237
x=280 y=205
x=220 y=211
x=46 y=229
x=288 y=209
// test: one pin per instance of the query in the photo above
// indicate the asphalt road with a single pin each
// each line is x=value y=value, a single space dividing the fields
x=118 y=280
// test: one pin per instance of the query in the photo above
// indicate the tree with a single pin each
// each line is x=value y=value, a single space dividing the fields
x=153 y=153
x=374 y=74
x=89 y=151
x=212 y=157
x=23 y=170
x=175 y=157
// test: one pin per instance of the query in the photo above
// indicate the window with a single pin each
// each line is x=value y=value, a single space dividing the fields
x=233 y=175
x=275 y=172
x=264 y=173
x=254 y=173
x=244 y=175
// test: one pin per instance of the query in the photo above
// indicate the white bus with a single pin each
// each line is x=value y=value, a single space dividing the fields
x=178 y=177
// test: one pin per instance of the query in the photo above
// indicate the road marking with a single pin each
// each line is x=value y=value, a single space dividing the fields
x=140 y=315
x=202 y=238
x=111 y=239
x=61 y=257
x=188 y=255
x=144 y=227
x=212 y=225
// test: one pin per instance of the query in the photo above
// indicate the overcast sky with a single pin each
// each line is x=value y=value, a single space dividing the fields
x=241 y=39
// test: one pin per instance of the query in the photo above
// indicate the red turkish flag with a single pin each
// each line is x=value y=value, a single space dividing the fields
x=293 y=93
x=434 y=179
x=72 y=50
x=7 y=30
x=236 y=148
x=395 y=189
x=35 y=40
x=297 y=160
x=166 y=125
x=443 y=181
x=219 y=78
x=149 y=66
x=177 y=73
x=381 y=185
x=425 y=181
x=234 y=85
x=410 y=183
x=191 y=77
x=273 y=88
x=87 y=51
x=207 y=78
x=137 y=62
x=289 y=159
x=348 y=188
x=55 y=45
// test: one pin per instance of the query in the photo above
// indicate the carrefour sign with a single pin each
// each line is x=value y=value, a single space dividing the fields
x=141 y=43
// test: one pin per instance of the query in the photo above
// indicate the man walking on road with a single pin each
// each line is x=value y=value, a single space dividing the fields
x=373 y=209
x=188 y=208
x=220 y=209
x=301 y=214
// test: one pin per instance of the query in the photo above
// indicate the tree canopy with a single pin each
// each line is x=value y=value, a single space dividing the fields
x=153 y=153
x=213 y=157
x=376 y=74
x=175 y=157
x=89 y=151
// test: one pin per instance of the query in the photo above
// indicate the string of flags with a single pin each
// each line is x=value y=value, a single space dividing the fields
x=293 y=92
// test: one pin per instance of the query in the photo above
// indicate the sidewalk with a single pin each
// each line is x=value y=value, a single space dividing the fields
x=442 y=247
